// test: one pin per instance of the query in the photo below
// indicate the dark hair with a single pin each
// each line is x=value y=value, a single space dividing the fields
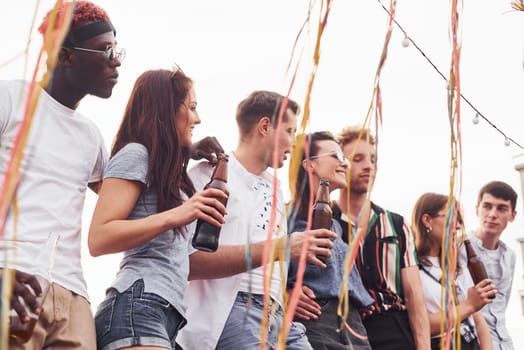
x=84 y=12
x=499 y=189
x=149 y=119
x=302 y=193
x=261 y=104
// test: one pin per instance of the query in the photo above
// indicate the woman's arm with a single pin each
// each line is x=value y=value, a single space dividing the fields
x=111 y=231
x=482 y=331
x=478 y=296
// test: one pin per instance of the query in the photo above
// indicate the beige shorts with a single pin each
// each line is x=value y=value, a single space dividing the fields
x=66 y=323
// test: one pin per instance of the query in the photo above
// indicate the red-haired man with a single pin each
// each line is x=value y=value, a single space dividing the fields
x=64 y=154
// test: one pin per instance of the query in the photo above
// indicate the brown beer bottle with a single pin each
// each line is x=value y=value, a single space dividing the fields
x=475 y=265
x=20 y=332
x=322 y=210
x=206 y=234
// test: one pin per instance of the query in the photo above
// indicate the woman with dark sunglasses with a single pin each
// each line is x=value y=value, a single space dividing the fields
x=319 y=300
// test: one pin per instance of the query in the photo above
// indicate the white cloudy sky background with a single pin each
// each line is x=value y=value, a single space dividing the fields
x=233 y=47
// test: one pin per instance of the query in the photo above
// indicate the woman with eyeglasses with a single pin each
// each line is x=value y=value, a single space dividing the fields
x=432 y=219
x=319 y=300
x=144 y=206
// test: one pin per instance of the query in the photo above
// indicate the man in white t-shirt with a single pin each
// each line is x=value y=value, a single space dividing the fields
x=495 y=209
x=64 y=154
x=227 y=290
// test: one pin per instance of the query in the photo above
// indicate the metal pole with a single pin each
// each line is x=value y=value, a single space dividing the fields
x=520 y=168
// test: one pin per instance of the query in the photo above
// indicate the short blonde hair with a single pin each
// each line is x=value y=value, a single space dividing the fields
x=350 y=133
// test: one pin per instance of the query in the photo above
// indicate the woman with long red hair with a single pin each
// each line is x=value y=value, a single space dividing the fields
x=145 y=204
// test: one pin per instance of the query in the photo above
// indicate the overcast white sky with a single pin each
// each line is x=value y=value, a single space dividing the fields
x=233 y=47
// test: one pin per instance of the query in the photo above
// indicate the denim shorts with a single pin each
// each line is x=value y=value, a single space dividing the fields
x=136 y=318
x=242 y=328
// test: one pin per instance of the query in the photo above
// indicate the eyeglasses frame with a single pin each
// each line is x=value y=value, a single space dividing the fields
x=117 y=52
x=338 y=155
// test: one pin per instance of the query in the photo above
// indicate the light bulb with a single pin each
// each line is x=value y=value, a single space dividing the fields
x=506 y=142
x=476 y=119
x=405 y=41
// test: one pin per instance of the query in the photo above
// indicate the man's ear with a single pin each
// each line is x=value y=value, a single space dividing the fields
x=264 y=126
x=65 y=55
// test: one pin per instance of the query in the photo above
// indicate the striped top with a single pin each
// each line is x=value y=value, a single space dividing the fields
x=387 y=247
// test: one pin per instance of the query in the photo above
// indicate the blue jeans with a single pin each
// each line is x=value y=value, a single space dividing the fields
x=323 y=333
x=242 y=328
x=136 y=318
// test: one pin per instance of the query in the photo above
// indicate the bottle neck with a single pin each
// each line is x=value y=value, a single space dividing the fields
x=323 y=192
x=469 y=249
x=220 y=172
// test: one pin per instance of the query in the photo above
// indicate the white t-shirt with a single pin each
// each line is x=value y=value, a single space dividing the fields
x=432 y=287
x=249 y=207
x=492 y=264
x=495 y=313
x=64 y=152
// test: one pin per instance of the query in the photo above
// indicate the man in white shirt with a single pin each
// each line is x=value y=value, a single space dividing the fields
x=227 y=291
x=495 y=209
x=64 y=154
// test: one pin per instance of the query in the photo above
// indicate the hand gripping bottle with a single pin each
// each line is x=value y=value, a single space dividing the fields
x=475 y=266
x=322 y=210
x=206 y=234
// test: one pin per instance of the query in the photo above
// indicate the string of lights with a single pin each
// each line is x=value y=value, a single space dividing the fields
x=408 y=40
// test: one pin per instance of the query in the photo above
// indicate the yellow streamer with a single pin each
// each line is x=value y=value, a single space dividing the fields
x=53 y=38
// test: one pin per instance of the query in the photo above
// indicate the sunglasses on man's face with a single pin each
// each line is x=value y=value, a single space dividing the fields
x=111 y=53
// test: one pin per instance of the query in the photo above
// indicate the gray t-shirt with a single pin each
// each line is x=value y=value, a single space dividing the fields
x=163 y=262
